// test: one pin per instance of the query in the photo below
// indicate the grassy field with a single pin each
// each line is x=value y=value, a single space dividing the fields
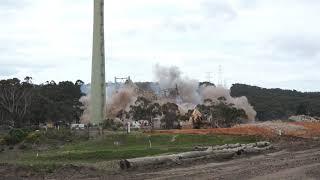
x=115 y=147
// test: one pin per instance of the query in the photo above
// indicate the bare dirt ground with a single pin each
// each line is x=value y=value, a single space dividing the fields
x=272 y=129
x=291 y=159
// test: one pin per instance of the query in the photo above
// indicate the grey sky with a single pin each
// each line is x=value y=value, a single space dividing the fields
x=268 y=43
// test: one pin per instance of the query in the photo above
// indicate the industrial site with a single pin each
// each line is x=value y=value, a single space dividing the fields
x=157 y=117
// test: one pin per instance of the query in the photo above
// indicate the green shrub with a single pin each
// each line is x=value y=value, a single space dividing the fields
x=64 y=135
x=2 y=141
x=33 y=137
x=112 y=125
x=15 y=136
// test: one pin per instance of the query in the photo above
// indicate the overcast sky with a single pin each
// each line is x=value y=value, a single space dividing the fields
x=269 y=43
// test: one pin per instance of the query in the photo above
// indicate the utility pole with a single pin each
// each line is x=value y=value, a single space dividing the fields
x=98 y=83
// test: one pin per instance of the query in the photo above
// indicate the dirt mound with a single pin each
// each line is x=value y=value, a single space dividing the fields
x=312 y=129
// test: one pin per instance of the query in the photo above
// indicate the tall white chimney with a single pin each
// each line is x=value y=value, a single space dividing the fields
x=98 y=82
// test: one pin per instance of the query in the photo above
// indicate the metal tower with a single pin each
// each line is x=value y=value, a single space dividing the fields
x=98 y=83
x=209 y=76
x=220 y=78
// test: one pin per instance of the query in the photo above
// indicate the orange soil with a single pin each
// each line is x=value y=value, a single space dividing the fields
x=251 y=130
x=310 y=130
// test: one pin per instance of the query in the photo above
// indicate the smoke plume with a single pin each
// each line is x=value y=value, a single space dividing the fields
x=121 y=100
x=191 y=94
x=170 y=78
x=213 y=93
x=117 y=99
x=85 y=118
x=188 y=94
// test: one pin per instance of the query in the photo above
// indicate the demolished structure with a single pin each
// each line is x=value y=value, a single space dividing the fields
x=174 y=102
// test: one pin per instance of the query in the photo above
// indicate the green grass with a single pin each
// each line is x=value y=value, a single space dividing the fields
x=136 y=145
x=130 y=146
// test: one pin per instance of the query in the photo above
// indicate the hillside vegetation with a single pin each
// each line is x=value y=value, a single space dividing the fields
x=277 y=103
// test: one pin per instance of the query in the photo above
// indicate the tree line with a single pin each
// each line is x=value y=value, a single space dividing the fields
x=277 y=103
x=23 y=103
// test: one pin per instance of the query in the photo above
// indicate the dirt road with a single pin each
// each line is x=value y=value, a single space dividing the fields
x=280 y=165
x=295 y=161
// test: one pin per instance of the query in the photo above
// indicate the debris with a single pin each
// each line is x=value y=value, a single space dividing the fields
x=216 y=152
x=174 y=138
x=184 y=93
x=304 y=118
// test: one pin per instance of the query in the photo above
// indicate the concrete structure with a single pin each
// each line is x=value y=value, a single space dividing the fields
x=98 y=85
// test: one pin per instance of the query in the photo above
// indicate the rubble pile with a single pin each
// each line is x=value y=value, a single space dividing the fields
x=304 y=118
